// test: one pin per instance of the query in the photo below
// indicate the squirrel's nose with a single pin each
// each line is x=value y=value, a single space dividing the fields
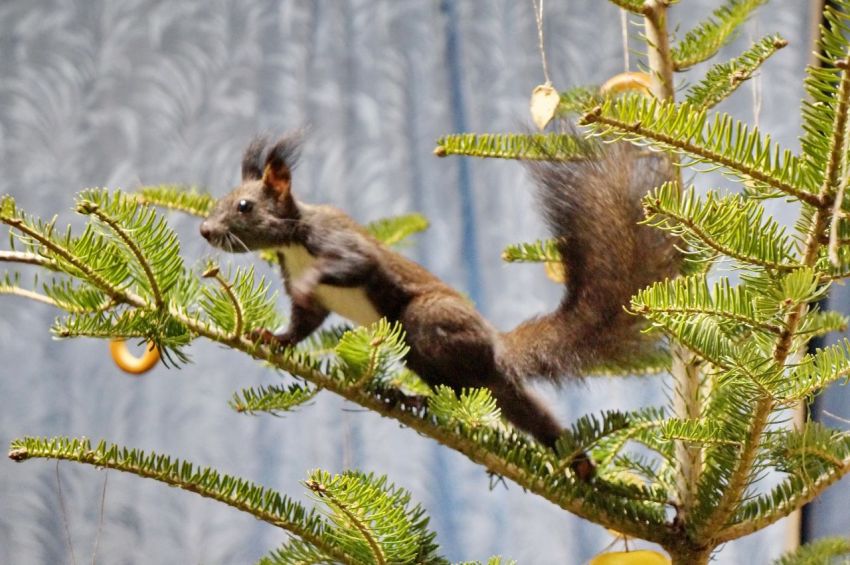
x=206 y=232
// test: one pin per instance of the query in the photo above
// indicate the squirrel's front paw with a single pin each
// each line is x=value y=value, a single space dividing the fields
x=583 y=466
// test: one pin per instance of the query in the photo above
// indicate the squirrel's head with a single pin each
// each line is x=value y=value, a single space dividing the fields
x=260 y=213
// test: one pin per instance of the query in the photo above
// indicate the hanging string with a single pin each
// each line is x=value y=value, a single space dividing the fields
x=64 y=510
x=100 y=519
x=538 y=16
x=624 y=26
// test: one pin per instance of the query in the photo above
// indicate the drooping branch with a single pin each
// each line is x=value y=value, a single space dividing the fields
x=814 y=242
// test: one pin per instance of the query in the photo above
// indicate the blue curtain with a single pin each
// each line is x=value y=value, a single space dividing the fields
x=120 y=93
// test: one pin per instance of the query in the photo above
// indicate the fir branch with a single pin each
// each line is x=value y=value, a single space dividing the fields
x=213 y=272
x=705 y=40
x=723 y=79
x=503 y=453
x=816 y=324
x=818 y=552
x=529 y=147
x=295 y=552
x=77 y=299
x=838 y=139
x=370 y=352
x=155 y=263
x=577 y=100
x=764 y=375
x=822 y=84
x=727 y=225
x=28 y=259
x=692 y=295
x=189 y=200
x=239 y=297
x=360 y=525
x=648 y=360
x=262 y=503
x=272 y=399
x=722 y=141
x=14 y=290
x=817 y=371
x=92 y=208
x=41 y=234
x=540 y=251
x=589 y=431
x=699 y=333
x=703 y=431
x=169 y=335
x=409 y=383
x=784 y=499
x=366 y=508
x=394 y=230
x=738 y=479
x=642 y=428
x=473 y=408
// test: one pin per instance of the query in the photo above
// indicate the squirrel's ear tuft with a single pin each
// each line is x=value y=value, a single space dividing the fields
x=277 y=173
x=252 y=160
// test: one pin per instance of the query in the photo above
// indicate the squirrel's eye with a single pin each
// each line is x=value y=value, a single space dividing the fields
x=244 y=206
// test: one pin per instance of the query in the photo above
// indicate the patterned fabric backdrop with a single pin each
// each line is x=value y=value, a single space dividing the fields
x=123 y=92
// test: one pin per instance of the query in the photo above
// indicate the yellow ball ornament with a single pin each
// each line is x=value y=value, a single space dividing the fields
x=638 y=557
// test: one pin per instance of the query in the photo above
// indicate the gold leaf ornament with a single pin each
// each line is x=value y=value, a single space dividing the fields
x=544 y=102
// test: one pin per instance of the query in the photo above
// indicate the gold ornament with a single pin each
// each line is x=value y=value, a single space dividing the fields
x=128 y=362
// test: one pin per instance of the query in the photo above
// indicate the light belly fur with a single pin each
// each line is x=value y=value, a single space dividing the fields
x=351 y=303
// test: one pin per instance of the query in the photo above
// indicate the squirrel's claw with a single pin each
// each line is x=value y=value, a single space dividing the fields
x=583 y=467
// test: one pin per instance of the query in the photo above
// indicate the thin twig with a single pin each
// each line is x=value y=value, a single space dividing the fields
x=140 y=257
x=834 y=239
x=28 y=259
x=374 y=547
x=234 y=300
x=24 y=293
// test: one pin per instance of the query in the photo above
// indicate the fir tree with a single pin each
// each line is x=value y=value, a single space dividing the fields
x=738 y=352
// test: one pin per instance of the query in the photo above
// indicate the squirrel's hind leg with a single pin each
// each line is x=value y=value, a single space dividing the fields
x=451 y=344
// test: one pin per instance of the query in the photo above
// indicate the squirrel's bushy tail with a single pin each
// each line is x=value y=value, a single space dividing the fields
x=593 y=207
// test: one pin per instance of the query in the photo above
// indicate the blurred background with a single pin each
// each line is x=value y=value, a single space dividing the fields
x=120 y=93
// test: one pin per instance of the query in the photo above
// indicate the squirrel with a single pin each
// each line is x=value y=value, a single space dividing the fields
x=330 y=263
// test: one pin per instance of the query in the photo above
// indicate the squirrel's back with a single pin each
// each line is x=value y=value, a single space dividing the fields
x=593 y=208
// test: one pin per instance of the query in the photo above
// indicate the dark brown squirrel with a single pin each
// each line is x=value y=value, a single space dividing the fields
x=330 y=263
